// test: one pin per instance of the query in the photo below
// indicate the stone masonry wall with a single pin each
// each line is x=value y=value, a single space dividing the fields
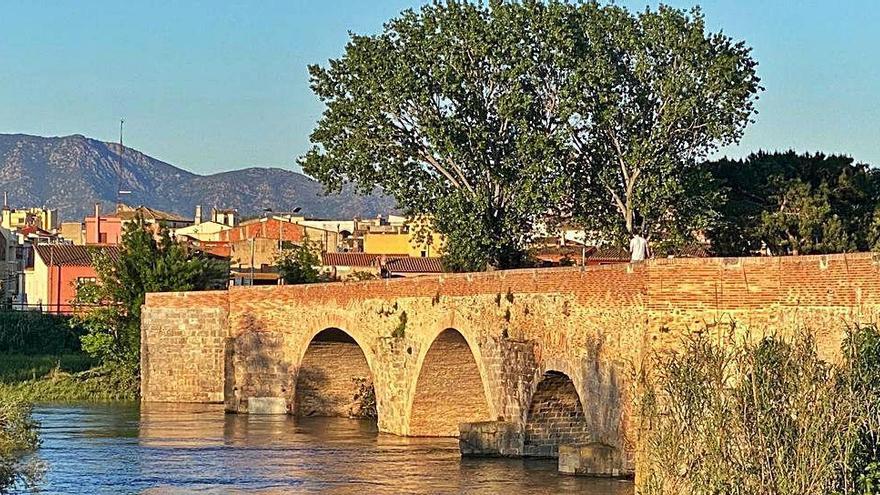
x=449 y=389
x=556 y=417
x=595 y=325
x=182 y=347
x=326 y=384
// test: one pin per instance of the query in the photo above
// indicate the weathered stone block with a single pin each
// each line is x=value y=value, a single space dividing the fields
x=267 y=405
x=592 y=459
x=491 y=439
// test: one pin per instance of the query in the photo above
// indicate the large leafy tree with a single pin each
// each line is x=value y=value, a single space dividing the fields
x=652 y=94
x=452 y=110
x=148 y=261
x=794 y=203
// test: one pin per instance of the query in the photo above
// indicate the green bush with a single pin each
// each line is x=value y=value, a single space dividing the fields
x=739 y=416
x=18 y=437
x=32 y=332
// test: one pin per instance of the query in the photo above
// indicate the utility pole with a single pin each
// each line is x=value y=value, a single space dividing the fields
x=119 y=190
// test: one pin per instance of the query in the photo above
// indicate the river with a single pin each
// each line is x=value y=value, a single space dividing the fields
x=122 y=448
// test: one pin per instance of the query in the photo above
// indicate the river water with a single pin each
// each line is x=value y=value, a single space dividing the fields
x=122 y=448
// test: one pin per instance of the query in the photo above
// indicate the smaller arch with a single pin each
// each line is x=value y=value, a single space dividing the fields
x=555 y=417
x=449 y=388
x=334 y=378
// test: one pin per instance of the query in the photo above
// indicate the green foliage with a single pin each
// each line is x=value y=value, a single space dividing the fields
x=100 y=384
x=32 y=332
x=20 y=367
x=361 y=276
x=795 y=204
x=148 y=262
x=732 y=415
x=490 y=118
x=18 y=437
x=365 y=399
x=299 y=264
x=66 y=377
x=448 y=110
x=399 y=331
x=649 y=94
x=861 y=385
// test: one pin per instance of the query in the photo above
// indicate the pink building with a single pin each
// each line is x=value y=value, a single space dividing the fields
x=103 y=230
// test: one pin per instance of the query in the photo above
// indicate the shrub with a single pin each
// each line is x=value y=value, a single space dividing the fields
x=18 y=437
x=761 y=417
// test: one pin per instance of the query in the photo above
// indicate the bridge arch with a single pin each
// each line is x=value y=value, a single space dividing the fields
x=450 y=387
x=334 y=377
x=555 y=416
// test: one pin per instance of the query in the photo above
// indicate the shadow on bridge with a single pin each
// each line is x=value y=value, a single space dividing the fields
x=334 y=378
x=556 y=416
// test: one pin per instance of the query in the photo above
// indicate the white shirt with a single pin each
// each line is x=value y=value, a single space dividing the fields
x=638 y=246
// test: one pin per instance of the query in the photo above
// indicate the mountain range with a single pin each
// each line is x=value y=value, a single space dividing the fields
x=72 y=173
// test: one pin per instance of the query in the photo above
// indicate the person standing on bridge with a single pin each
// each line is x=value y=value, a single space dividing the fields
x=638 y=248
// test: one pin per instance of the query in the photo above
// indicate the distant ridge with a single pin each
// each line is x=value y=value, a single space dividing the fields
x=72 y=173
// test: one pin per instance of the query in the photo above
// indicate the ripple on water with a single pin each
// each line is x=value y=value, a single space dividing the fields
x=176 y=449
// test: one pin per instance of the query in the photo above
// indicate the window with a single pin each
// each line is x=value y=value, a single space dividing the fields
x=102 y=238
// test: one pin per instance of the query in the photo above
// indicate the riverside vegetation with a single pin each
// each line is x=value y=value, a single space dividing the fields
x=734 y=415
x=93 y=355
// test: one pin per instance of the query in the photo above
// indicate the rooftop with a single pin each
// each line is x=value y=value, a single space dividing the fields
x=71 y=255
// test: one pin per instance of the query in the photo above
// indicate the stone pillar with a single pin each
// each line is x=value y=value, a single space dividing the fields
x=592 y=459
x=491 y=439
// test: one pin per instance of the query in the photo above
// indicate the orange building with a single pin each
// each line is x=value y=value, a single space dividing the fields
x=50 y=284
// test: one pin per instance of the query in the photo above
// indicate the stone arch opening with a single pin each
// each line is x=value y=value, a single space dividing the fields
x=449 y=389
x=334 y=378
x=555 y=417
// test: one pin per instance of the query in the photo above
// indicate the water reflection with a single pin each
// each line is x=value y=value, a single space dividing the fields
x=198 y=449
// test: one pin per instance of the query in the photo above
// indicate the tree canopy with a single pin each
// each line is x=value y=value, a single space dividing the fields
x=651 y=95
x=795 y=204
x=148 y=262
x=491 y=118
x=299 y=264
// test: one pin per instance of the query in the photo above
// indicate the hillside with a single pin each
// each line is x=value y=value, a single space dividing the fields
x=71 y=173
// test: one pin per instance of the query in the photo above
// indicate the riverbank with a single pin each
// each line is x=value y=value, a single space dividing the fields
x=62 y=378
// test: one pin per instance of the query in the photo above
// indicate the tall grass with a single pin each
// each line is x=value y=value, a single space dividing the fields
x=761 y=416
x=65 y=378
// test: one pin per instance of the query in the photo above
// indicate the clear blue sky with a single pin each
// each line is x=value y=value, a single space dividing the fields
x=219 y=85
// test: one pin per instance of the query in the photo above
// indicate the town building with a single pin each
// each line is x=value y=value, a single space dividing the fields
x=74 y=232
x=9 y=266
x=107 y=230
x=344 y=266
x=402 y=237
x=50 y=283
x=14 y=219
x=221 y=220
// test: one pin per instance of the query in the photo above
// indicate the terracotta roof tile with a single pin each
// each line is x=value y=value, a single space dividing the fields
x=609 y=253
x=349 y=259
x=70 y=255
x=411 y=264
x=394 y=263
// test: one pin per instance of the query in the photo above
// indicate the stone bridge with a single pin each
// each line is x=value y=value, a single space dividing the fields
x=530 y=359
